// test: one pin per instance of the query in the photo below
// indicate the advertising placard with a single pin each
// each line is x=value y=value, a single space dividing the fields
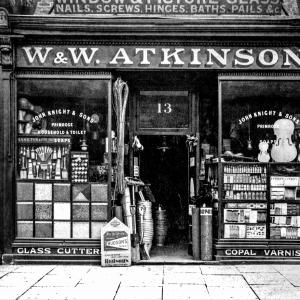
x=115 y=244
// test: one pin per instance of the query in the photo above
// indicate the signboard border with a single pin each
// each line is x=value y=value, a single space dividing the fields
x=160 y=130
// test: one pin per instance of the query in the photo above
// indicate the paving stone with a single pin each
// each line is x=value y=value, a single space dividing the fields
x=293 y=278
x=270 y=292
x=87 y=293
x=182 y=269
x=34 y=269
x=70 y=270
x=59 y=281
x=180 y=278
x=219 y=270
x=41 y=293
x=7 y=293
x=113 y=271
x=256 y=268
x=109 y=280
x=184 y=291
x=225 y=280
x=9 y=268
x=17 y=279
x=154 y=269
x=224 y=293
x=144 y=280
x=287 y=268
x=3 y=274
x=263 y=278
x=97 y=290
x=145 y=293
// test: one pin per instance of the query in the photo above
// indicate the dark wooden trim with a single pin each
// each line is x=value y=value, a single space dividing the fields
x=6 y=162
x=156 y=26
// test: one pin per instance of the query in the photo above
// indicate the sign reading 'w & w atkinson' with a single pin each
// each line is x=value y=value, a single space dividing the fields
x=139 y=57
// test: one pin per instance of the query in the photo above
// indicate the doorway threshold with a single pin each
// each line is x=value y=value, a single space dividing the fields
x=172 y=254
x=171 y=261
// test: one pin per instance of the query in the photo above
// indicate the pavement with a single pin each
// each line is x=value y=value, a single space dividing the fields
x=151 y=282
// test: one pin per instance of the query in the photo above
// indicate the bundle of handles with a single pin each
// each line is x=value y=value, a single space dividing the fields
x=120 y=99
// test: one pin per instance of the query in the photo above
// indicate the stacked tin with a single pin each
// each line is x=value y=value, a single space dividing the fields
x=161 y=226
x=145 y=222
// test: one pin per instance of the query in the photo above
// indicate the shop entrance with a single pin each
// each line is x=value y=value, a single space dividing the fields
x=164 y=165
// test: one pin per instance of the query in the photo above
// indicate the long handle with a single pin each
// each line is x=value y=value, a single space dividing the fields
x=133 y=214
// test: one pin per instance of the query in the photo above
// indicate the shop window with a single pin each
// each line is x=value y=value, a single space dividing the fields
x=62 y=158
x=250 y=109
x=260 y=158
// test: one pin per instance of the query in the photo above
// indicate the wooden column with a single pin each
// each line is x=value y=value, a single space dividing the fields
x=6 y=146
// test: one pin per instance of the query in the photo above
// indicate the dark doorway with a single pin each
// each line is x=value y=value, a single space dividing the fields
x=164 y=164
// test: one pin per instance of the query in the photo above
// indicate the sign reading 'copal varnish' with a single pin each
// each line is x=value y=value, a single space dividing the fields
x=275 y=253
x=168 y=7
x=115 y=244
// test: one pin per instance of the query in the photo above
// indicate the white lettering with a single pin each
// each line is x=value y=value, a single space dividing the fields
x=290 y=54
x=37 y=54
x=121 y=54
x=273 y=55
x=195 y=60
x=247 y=57
x=82 y=53
x=175 y=55
x=145 y=51
x=221 y=59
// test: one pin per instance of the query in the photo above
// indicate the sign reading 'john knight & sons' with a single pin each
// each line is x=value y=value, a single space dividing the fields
x=159 y=57
x=169 y=7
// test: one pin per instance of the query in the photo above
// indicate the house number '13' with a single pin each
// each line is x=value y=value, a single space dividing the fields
x=166 y=108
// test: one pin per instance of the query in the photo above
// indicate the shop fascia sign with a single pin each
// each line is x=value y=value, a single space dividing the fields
x=146 y=8
x=159 y=57
x=278 y=253
x=168 y=7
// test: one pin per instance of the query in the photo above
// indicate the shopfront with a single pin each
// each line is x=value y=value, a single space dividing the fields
x=204 y=111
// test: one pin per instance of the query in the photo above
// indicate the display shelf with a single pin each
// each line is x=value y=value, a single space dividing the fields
x=245 y=223
x=243 y=200
x=245 y=188
x=43 y=157
x=43 y=180
x=285 y=201
x=37 y=139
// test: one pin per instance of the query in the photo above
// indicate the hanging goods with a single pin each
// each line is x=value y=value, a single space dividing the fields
x=249 y=142
x=145 y=226
x=164 y=146
x=120 y=91
x=192 y=188
x=283 y=149
x=137 y=147
x=161 y=226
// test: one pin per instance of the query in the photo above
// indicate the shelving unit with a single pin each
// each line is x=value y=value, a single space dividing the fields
x=244 y=192
x=43 y=157
x=284 y=202
x=265 y=227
